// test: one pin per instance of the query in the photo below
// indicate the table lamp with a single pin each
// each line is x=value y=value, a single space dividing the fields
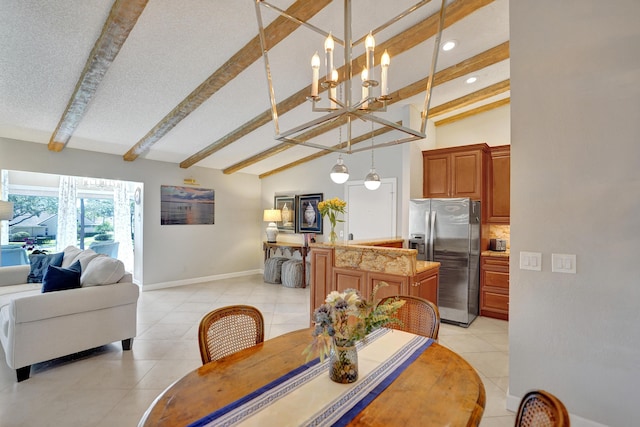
x=272 y=216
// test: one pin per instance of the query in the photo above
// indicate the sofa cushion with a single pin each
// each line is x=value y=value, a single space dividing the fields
x=85 y=258
x=70 y=254
x=39 y=264
x=102 y=270
x=60 y=279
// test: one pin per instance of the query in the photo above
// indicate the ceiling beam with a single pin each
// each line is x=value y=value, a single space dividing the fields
x=473 y=112
x=395 y=45
x=277 y=31
x=473 y=64
x=472 y=98
x=123 y=16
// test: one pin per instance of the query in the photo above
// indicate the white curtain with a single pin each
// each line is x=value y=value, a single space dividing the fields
x=122 y=224
x=4 y=192
x=67 y=233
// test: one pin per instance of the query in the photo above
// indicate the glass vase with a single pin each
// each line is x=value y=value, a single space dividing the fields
x=343 y=362
x=332 y=235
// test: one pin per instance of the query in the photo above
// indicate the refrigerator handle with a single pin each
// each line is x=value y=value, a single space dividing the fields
x=432 y=231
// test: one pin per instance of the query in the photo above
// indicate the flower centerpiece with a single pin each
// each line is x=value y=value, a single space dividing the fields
x=343 y=319
x=332 y=208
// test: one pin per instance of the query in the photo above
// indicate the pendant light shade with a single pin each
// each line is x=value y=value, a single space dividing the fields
x=339 y=172
x=372 y=180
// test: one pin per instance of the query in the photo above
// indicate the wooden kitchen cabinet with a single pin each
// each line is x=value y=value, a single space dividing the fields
x=425 y=285
x=499 y=185
x=398 y=285
x=494 y=287
x=455 y=171
x=321 y=276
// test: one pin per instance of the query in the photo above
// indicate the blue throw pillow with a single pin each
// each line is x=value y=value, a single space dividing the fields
x=60 y=279
x=39 y=264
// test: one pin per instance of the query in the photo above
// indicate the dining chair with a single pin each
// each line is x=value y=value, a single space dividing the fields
x=229 y=329
x=418 y=316
x=540 y=408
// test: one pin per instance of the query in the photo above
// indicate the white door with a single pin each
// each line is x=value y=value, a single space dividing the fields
x=371 y=214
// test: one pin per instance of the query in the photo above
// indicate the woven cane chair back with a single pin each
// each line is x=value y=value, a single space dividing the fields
x=229 y=329
x=418 y=316
x=539 y=408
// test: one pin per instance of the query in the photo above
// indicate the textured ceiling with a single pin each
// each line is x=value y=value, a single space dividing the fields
x=175 y=46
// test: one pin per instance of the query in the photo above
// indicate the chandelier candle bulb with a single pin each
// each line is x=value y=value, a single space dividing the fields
x=365 y=89
x=332 y=89
x=384 y=65
x=328 y=48
x=315 y=66
x=370 y=44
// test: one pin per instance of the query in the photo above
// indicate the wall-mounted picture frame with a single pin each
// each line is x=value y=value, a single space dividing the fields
x=308 y=219
x=186 y=205
x=287 y=206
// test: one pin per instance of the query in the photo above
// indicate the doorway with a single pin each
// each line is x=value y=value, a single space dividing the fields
x=371 y=214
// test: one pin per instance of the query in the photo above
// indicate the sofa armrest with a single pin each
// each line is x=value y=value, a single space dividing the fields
x=14 y=275
x=63 y=303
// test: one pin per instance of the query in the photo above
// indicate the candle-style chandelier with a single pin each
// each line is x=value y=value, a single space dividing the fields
x=342 y=110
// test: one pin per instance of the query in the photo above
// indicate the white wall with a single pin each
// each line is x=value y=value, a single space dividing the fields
x=313 y=177
x=492 y=127
x=172 y=254
x=575 y=170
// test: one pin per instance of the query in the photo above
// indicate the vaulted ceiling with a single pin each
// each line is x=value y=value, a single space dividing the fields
x=185 y=82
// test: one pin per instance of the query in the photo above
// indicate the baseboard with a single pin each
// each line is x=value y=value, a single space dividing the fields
x=185 y=282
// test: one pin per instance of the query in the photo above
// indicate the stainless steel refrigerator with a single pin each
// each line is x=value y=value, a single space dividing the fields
x=448 y=231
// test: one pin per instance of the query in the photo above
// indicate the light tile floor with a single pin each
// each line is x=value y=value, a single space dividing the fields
x=109 y=387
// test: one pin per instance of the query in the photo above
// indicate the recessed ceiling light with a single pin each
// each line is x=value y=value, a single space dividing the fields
x=447 y=46
x=471 y=80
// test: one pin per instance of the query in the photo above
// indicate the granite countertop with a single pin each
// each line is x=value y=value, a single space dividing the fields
x=498 y=254
x=370 y=242
x=422 y=266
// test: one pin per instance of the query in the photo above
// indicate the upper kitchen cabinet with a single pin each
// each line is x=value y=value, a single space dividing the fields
x=499 y=182
x=456 y=171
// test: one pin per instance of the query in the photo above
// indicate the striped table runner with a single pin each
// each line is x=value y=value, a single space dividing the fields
x=307 y=397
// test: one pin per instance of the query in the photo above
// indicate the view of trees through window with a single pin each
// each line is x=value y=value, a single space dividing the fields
x=35 y=221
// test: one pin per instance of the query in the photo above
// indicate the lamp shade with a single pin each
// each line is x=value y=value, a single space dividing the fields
x=339 y=172
x=272 y=215
x=6 y=210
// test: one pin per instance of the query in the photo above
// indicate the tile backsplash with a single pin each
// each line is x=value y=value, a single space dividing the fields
x=500 y=232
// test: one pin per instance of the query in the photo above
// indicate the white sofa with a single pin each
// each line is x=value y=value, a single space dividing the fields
x=36 y=326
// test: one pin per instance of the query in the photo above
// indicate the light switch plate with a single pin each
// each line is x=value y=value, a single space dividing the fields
x=563 y=263
x=531 y=261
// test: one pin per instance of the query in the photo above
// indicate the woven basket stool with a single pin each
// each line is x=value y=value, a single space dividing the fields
x=273 y=269
x=292 y=274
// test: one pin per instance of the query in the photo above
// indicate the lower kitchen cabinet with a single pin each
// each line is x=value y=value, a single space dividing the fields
x=494 y=287
x=425 y=285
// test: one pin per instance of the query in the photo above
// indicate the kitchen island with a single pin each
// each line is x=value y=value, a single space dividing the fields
x=363 y=264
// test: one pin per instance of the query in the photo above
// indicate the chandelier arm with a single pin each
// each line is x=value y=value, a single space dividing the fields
x=386 y=144
x=393 y=20
x=434 y=60
x=312 y=123
x=267 y=68
x=300 y=22
x=388 y=123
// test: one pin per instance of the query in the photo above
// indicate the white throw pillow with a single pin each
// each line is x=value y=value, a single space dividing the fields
x=70 y=254
x=85 y=257
x=102 y=270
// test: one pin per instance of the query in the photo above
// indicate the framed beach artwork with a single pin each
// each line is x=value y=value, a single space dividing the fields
x=287 y=206
x=186 y=205
x=308 y=218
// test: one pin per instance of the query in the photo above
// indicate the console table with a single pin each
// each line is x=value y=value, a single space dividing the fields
x=270 y=249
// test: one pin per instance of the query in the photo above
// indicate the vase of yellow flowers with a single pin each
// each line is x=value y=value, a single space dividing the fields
x=331 y=208
x=340 y=322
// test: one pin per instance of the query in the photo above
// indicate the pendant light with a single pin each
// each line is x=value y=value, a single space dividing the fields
x=339 y=172
x=372 y=180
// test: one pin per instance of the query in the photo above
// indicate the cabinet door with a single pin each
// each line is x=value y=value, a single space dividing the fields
x=347 y=278
x=321 y=278
x=466 y=174
x=499 y=197
x=437 y=173
x=426 y=286
x=398 y=285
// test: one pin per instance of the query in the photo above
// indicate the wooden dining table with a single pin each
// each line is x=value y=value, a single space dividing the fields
x=438 y=389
